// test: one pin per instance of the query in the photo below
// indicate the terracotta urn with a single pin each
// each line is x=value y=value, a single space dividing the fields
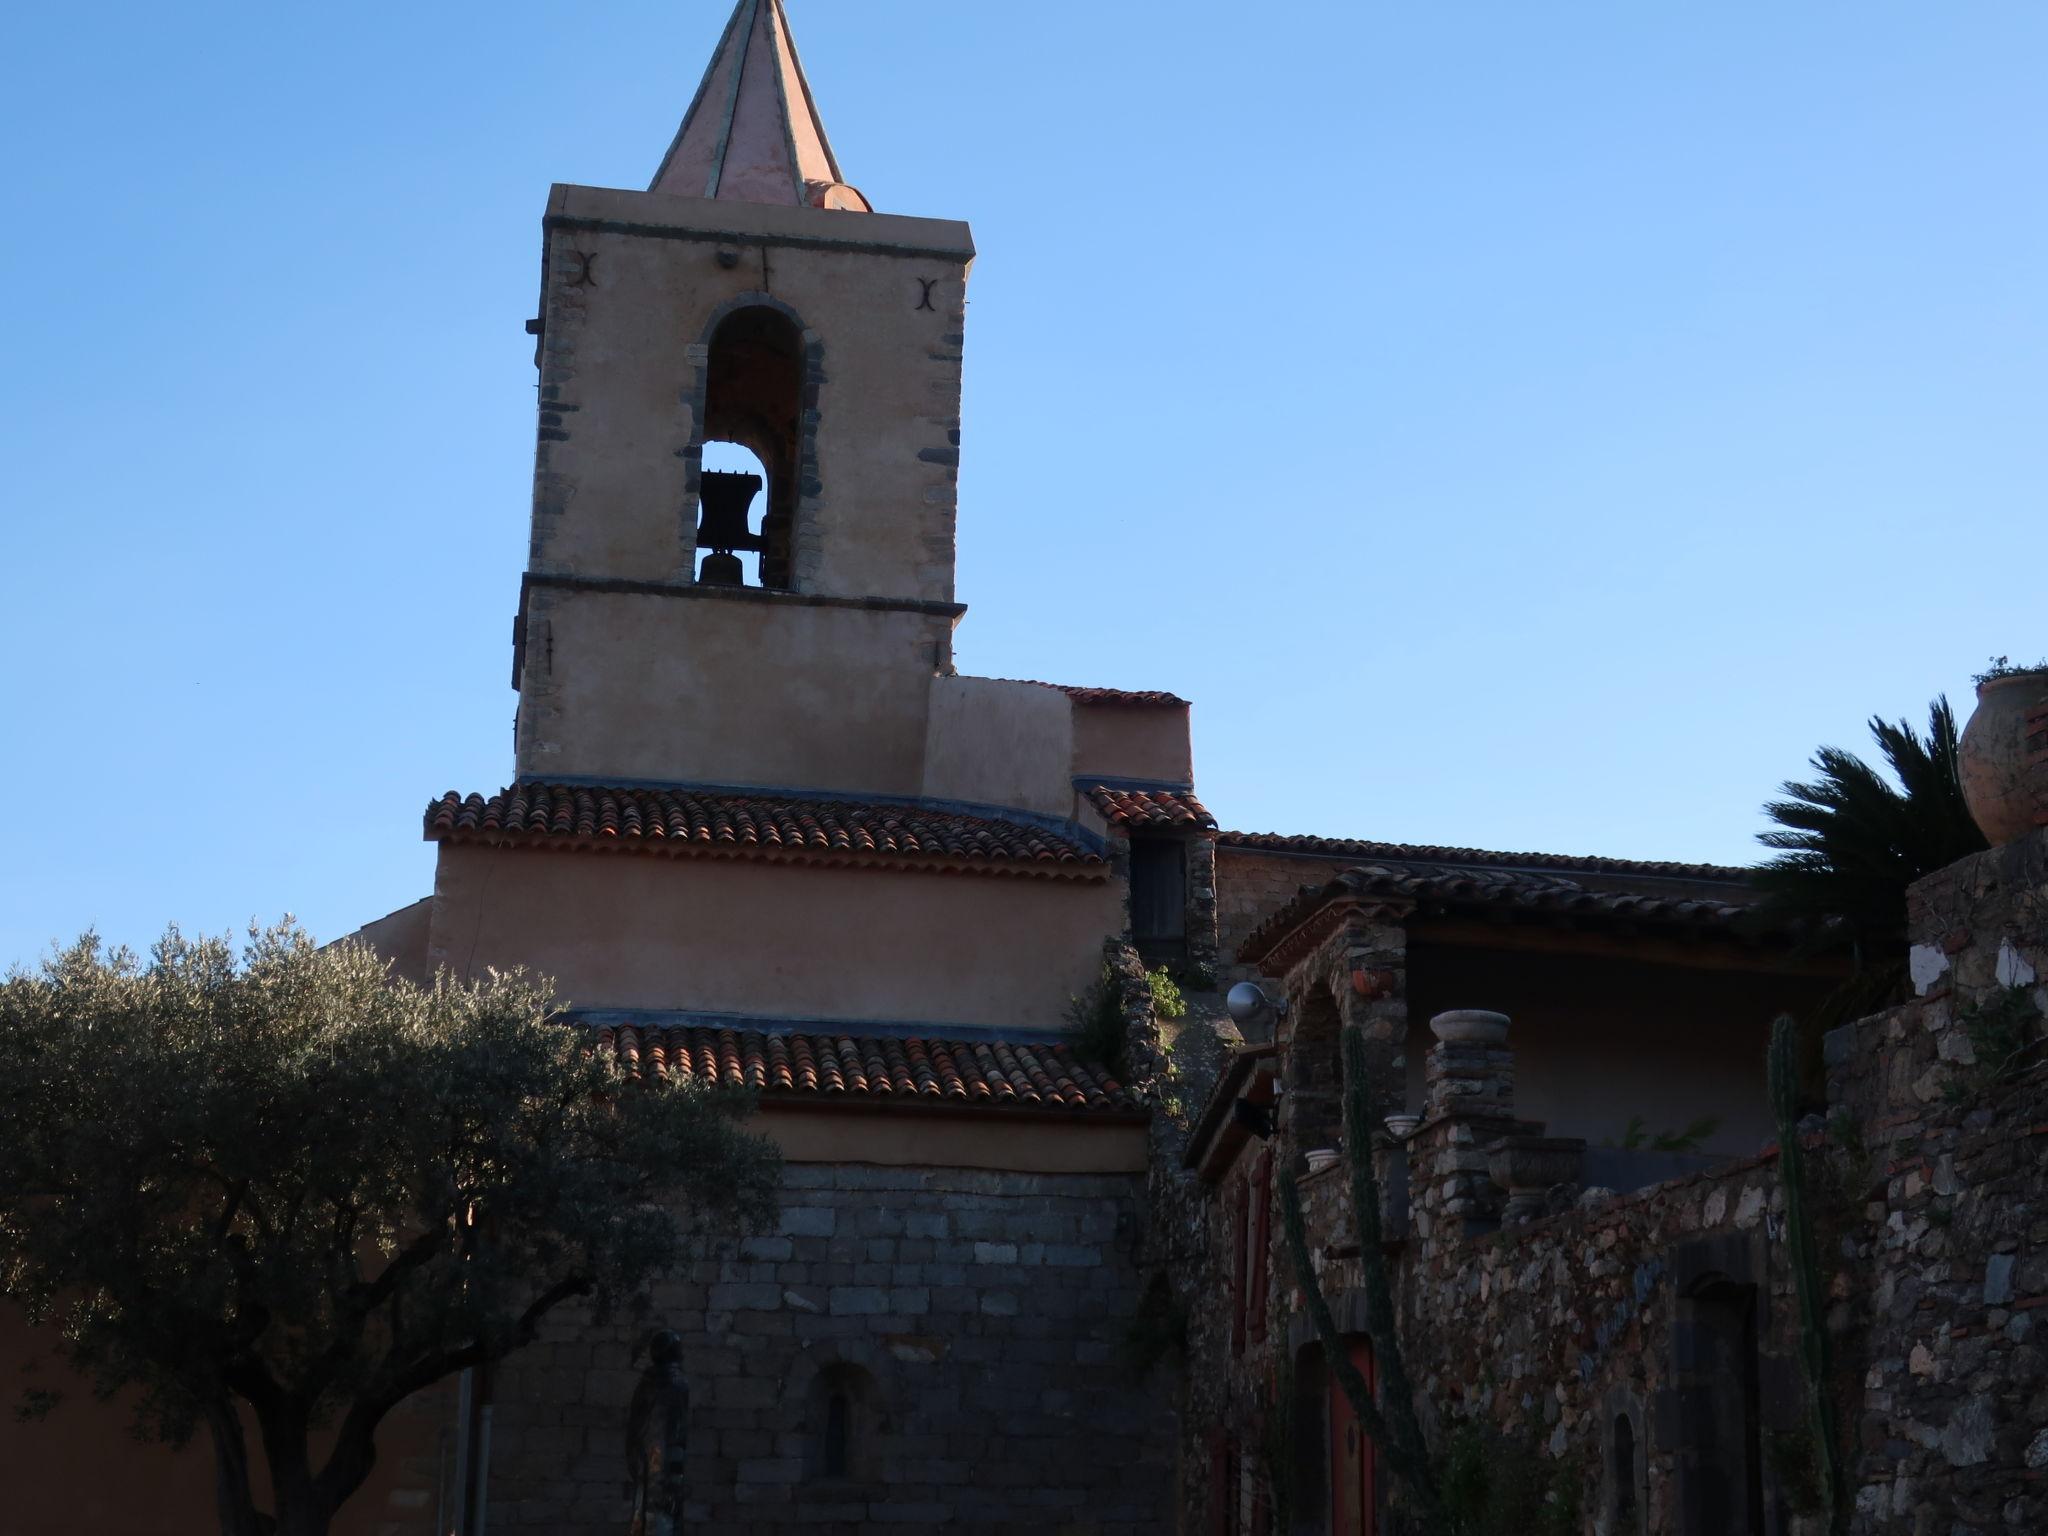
x=1470 y=1026
x=1528 y=1167
x=2005 y=776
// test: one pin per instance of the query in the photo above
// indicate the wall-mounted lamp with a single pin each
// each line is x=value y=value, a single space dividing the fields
x=1248 y=999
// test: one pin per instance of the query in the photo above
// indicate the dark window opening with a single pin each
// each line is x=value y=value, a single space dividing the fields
x=838 y=1434
x=842 y=1428
x=1721 y=1465
x=753 y=400
x=1622 y=1474
x=1159 y=898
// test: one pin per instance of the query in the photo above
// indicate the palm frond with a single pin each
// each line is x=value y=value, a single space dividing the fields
x=1850 y=841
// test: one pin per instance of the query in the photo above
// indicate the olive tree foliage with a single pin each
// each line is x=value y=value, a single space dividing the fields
x=287 y=1190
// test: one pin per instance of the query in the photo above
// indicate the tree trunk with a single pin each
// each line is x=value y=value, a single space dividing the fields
x=302 y=1507
x=233 y=1499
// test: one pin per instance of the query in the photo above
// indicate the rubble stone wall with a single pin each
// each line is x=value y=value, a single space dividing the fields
x=1644 y=1350
x=1946 y=1101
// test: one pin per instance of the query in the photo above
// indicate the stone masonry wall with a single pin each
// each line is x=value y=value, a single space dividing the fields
x=973 y=1317
x=1251 y=886
x=1643 y=1351
x=1954 y=1423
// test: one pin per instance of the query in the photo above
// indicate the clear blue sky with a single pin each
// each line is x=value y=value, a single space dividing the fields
x=1528 y=426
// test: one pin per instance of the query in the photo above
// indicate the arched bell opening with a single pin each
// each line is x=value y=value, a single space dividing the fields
x=747 y=486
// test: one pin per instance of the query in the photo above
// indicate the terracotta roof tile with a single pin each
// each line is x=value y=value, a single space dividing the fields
x=1150 y=807
x=1474 y=890
x=868 y=1069
x=1358 y=848
x=730 y=824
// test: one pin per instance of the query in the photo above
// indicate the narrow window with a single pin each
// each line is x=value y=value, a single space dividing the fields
x=753 y=398
x=838 y=1435
x=1159 y=898
x=842 y=1428
x=1622 y=1471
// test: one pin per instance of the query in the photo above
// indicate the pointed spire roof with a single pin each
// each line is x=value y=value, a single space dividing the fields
x=753 y=132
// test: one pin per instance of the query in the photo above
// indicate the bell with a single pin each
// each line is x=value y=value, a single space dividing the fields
x=725 y=497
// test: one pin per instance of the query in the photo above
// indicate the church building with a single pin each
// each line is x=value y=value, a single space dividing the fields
x=758 y=830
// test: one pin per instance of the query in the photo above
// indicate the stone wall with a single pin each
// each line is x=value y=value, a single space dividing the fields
x=1252 y=885
x=974 y=1319
x=1642 y=1353
x=1947 y=1101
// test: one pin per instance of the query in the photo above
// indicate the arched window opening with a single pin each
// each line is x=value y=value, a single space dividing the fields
x=1315 y=1071
x=843 y=1425
x=753 y=401
x=1621 y=1474
x=838 y=1447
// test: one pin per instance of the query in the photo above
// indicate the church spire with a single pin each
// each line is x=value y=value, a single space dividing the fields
x=753 y=132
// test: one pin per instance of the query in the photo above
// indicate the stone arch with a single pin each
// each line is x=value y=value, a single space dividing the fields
x=1624 y=1467
x=756 y=385
x=1313 y=1075
x=835 y=1399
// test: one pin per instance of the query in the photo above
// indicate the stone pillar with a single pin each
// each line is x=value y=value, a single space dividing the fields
x=1470 y=1070
x=1468 y=1107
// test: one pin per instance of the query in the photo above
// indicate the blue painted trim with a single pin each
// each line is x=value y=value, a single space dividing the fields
x=1086 y=781
x=1071 y=830
x=768 y=1024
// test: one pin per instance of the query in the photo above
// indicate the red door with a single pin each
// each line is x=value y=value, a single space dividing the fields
x=1351 y=1455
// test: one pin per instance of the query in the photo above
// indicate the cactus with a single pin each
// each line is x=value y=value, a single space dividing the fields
x=1813 y=1335
x=1390 y=1422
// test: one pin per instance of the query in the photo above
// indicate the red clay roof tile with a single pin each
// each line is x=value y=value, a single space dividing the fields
x=733 y=824
x=872 y=1069
x=1150 y=807
x=1359 y=848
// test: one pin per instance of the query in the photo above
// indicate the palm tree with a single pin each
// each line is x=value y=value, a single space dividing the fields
x=1853 y=840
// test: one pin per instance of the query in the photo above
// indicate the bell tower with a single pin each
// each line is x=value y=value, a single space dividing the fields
x=749 y=296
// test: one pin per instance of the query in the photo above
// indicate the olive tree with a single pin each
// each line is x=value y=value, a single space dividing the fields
x=286 y=1190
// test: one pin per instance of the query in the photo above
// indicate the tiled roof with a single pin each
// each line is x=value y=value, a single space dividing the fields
x=1150 y=807
x=732 y=824
x=1464 y=889
x=1142 y=697
x=1356 y=848
x=826 y=1068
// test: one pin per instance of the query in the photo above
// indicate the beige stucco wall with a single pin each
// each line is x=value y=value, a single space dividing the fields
x=80 y=1472
x=1123 y=741
x=634 y=283
x=1000 y=743
x=401 y=938
x=635 y=931
x=1597 y=1040
x=726 y=690
x=986 y=1139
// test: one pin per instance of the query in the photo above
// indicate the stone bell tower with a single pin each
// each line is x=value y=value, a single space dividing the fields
x=749 y=296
